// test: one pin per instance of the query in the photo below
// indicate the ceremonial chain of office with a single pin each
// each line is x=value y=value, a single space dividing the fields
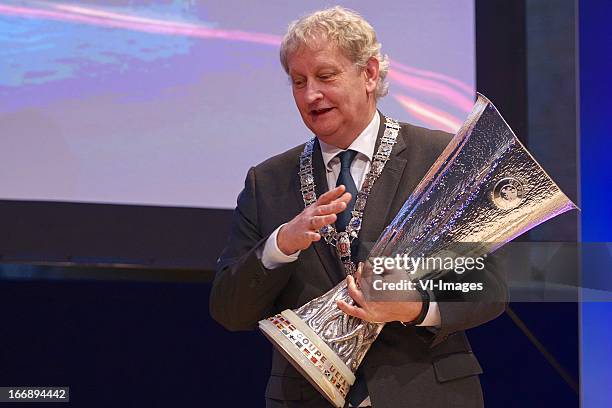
x=342 y=240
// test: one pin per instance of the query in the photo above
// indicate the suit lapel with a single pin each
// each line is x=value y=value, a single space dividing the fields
x=383 y=193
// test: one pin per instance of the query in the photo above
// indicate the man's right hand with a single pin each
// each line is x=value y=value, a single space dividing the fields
x=299 y=233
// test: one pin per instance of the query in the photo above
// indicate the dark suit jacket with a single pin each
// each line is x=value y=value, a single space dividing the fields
x=406 y=365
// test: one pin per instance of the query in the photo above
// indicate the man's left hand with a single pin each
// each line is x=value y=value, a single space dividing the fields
x=378 y=312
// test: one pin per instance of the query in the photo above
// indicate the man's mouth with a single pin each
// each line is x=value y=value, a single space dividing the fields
x=319 y=112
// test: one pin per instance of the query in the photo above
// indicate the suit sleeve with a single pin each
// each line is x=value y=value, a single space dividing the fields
x=244 y=291
x=463 y=310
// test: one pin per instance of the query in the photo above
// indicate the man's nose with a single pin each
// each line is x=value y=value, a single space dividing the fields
x=313 y=92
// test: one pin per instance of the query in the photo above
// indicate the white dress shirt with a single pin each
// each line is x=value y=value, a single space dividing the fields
x=272 y=257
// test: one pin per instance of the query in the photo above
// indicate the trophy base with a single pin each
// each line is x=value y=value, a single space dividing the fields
x=309 y=355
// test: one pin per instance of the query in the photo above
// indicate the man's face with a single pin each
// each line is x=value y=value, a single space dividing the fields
x=335 y=98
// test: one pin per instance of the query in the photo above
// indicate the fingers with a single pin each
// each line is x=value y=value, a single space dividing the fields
x=352 y=310
x=345 y=198
x=319 y=221
x=334 y=207
x=361 y=309
x=354 y=292
x=313 y=236
x=331 y=195
x=358 y=274
x=304 y=228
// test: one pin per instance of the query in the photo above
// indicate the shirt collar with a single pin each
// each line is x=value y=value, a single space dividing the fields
x=364 y=143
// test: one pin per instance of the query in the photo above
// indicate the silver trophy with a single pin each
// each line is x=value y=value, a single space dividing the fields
x=484 y=190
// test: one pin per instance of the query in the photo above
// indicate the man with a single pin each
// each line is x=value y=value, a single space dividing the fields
x=276 y=258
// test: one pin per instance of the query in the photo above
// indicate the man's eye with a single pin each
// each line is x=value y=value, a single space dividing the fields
x=325 y=77
x=298 y=83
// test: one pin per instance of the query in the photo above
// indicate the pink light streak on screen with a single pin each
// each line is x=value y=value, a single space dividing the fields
x=433 y=88
x=428 y=114
x=405 y=76
x=115 y=20
x=436 y=75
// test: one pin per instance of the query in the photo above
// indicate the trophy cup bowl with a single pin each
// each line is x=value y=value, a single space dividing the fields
x=484 y=190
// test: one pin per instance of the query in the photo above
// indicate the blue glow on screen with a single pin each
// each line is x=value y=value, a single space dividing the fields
x=596 y=191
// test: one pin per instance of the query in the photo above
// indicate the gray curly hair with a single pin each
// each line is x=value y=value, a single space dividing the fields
x=351 y=33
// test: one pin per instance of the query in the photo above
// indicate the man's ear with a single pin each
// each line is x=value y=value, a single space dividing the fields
x=371 y=74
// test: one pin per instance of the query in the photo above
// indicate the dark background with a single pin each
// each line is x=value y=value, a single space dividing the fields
x=112 y=300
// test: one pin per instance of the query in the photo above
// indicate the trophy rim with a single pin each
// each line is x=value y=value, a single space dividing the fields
x=480 y=98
